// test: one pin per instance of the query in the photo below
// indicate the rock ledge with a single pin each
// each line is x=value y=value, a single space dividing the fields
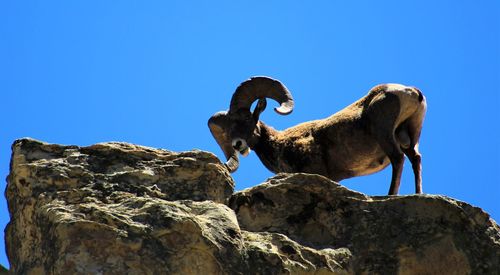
x=118 y=208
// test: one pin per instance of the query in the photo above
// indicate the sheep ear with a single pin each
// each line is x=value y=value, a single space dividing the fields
x=261 y=106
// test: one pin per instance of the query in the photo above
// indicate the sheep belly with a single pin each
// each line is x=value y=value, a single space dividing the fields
x=369 y=166
x=357 y=158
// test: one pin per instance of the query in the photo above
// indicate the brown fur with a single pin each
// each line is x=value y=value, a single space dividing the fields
x=361 y=139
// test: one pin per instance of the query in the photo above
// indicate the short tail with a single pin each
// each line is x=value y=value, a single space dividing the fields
x=420 y=94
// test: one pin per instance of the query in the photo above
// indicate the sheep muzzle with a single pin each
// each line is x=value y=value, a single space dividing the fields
x=241 y=146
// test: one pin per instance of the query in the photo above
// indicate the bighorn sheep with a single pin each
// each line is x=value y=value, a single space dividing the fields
x=361 y=139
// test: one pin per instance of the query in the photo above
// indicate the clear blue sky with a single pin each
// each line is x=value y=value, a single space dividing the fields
x=82 y=72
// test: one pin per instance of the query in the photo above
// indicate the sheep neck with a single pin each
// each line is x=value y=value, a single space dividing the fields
x=268 y=148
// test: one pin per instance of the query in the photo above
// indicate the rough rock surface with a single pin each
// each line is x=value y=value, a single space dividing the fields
x=117 y=208
x=419 y=234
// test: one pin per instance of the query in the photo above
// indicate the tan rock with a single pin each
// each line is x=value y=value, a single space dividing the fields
x=118 y=208
x=418 y=234
x=117 y=167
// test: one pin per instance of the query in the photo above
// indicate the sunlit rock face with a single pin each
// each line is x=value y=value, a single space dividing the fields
x=119 y=208
x=418 y=234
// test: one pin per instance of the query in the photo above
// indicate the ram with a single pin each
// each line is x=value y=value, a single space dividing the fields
x=377 y=130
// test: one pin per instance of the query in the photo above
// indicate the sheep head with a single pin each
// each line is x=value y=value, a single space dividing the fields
x=237 y=130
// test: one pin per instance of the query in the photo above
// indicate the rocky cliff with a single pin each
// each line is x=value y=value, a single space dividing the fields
x=117 y=208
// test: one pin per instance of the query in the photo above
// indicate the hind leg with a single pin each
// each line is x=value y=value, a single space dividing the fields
x=397 y=160
x=408 y=135
x=416 y=163
x=391 y=146
x=410 y=131
x=382 y=115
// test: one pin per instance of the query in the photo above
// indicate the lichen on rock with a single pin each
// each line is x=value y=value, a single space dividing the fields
x=119 y=208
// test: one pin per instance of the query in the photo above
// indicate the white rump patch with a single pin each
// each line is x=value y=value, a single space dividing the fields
x=392 y=87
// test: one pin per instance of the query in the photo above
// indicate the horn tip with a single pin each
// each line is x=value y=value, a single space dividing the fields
x=285 y=109
x=232 y=165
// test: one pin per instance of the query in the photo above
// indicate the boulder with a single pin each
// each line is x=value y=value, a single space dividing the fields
x=417 y=234
x=119 y=208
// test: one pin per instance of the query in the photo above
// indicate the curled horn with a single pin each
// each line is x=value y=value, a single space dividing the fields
x=261 y=87
x=219 y=124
